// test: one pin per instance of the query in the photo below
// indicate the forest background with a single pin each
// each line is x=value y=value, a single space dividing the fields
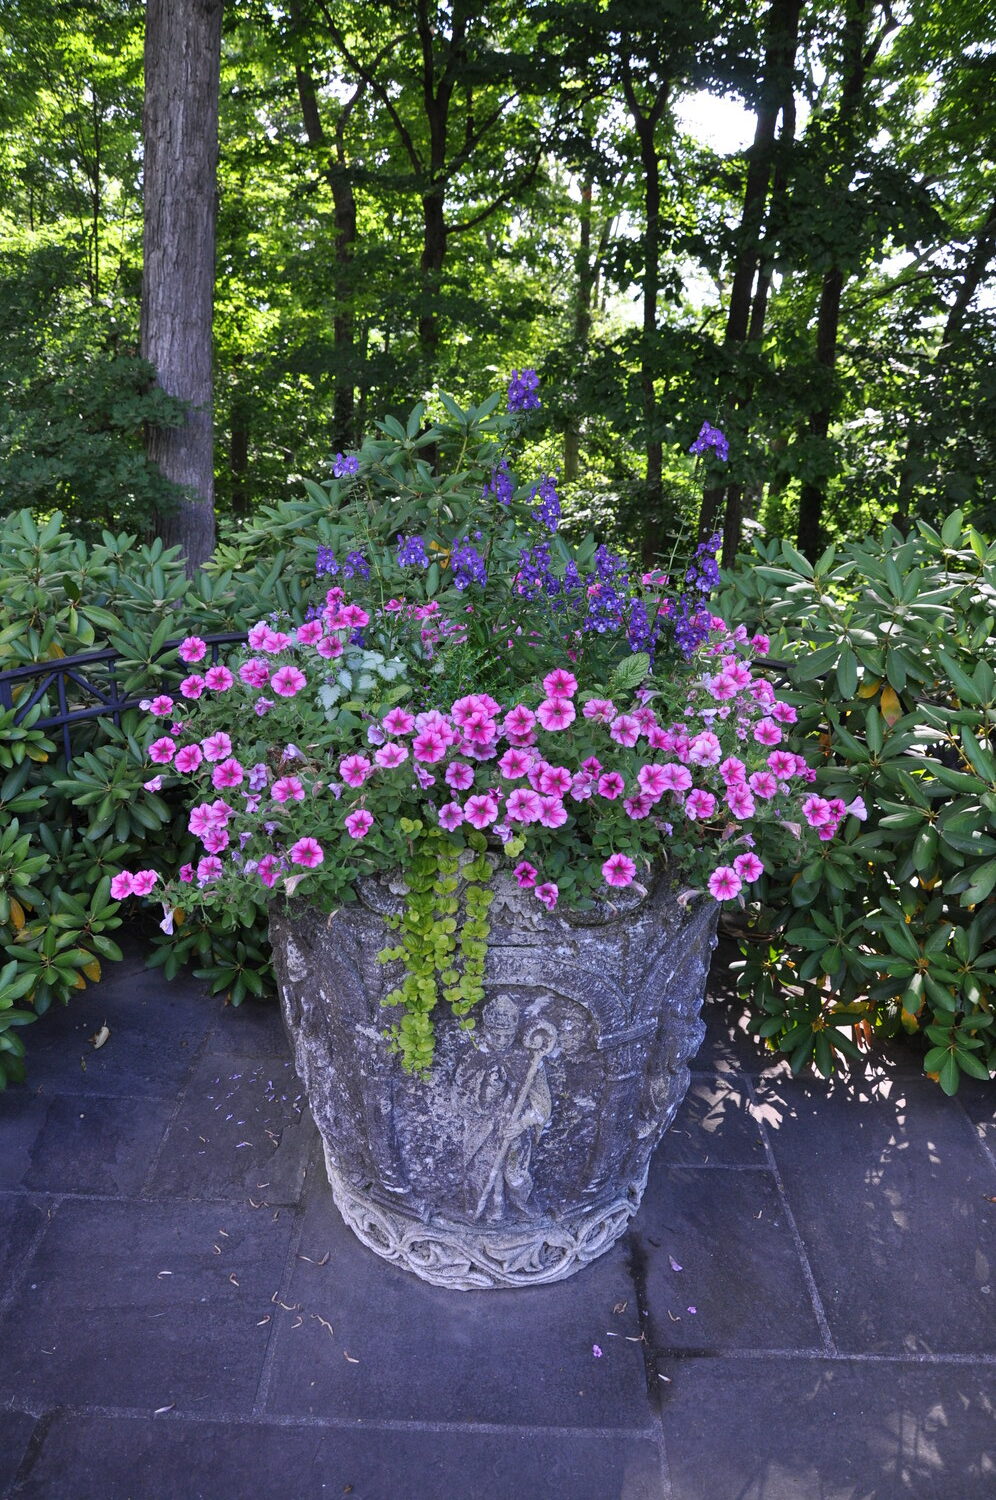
x=413 y=196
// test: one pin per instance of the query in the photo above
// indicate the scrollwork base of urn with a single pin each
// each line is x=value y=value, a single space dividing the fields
x=525 y=1152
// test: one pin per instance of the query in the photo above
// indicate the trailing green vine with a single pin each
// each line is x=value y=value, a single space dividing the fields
x=444 y=939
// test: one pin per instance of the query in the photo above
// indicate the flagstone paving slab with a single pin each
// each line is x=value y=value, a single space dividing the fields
x=155 y=1033
x=16 y=1428
x=92 y=1143
x=242 y=1131
x=144 y=1304
x=124 y=1459
x=802 y=1429
x=424 y=1353
x=715 y=1125
x=893 y=1199
x=22 y=1219
x=721 y=1266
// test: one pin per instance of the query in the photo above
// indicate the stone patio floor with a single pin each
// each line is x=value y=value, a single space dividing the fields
x=804 y=1308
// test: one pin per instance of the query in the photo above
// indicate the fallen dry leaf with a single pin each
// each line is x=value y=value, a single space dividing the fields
x=161 y=1409
x=99 y=1037
x=620 y=1307
x=346 y=1355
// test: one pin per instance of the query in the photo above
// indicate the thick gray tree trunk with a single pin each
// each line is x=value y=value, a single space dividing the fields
x=182 y=64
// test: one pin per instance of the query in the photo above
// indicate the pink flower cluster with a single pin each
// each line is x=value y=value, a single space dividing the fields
x=606 y=775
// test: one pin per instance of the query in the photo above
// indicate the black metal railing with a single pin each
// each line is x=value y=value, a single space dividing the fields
x=70 y=676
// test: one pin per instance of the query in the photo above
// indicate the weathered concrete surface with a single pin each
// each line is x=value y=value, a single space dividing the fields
x=524 y=1154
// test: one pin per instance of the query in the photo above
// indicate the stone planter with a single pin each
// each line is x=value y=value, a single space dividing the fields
x=526 y=1152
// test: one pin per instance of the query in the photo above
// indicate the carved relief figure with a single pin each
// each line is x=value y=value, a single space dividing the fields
x=505 y=1096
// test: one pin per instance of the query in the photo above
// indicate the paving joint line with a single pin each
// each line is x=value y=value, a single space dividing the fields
x=807 y=1270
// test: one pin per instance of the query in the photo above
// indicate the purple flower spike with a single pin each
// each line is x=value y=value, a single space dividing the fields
x=711 y=437
x=522 y=391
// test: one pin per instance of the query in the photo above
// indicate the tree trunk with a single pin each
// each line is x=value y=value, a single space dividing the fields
x=972 y=277
x=584 y=285
x=812 y=498
x=781 y=43
x=182 y=64
x=336 y=171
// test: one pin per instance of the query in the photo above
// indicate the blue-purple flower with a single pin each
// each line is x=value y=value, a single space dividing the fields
x=468 y=565
x=345 y=465
x=355 y=565
x=412 y=553
x=547 y=509
x=325 y=562
x=501 y=485
x=711 y=437
x=523 y=391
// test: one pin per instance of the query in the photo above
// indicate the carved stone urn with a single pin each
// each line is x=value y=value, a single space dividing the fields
x=525 y=1152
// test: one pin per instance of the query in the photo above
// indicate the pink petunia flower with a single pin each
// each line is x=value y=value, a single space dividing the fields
x=523 y=806
x=677 y=778
x=186 y=873
x=429 y=746
x=450 y=816
x=359 y=823
x=162 y=750
x=192 y=686
x=218 y=679
x=748 y=867
x=560 y=684
x=548 y=893
x=553 y=813
x=700 y=804
x=625 y=730
x=724 y=883
x=733 y=769
x=618 y=869
x=188 y=758
x=767 y=732
x=192 y=649
x=287 y=681
x=228 y=773
x=215 y=840
x=763 y=784
x=611 y=785
x=268 y=869
x=122 y=885
x=519 y=720
x=255 y=672
x=704 y=749
x=553 y=781
x=459 y=776
x=514 y=763
x=601 y=709
x=209 y=868
x=287 y=789
x=398 y=721
x=217 y=746
x=638 y=807
x=307 y=852
x=481 y=810
x=784 y=713
x=652 y=781
x=739 y=800
x=556 y=713
x=391 y=755
x=329 y=647
x=154 y=785
x=308 y=634
x=257 y=635
x=161 y=706
x=143 y=881
x=782 y=763
x=817 y=812
x=525 y=874
x=355 y=769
